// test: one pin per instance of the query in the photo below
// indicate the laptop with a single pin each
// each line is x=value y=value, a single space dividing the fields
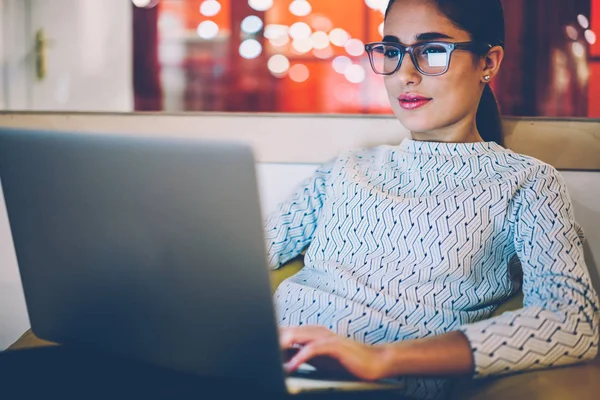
x=150 y=248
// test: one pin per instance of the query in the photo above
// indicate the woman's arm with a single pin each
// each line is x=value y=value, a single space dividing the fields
x=291 y=227
x=558 y=324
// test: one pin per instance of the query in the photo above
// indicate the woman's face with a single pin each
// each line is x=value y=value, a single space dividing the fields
x=449 y=100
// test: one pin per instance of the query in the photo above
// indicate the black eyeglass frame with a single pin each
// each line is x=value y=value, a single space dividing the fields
x=474 y=47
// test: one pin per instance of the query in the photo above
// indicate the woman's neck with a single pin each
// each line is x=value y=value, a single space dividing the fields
x=461 y=132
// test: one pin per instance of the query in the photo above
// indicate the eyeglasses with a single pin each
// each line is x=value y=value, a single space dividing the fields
x=429 y=58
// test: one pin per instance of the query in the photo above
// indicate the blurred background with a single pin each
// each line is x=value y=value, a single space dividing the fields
x=292 y=56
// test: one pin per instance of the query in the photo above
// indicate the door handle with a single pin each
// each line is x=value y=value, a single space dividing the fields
x=40 y=54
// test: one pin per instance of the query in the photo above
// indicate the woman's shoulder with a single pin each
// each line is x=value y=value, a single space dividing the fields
x=365 y=155
x=529 y=166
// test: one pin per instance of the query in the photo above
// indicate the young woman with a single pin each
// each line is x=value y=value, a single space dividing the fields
x=411 y=248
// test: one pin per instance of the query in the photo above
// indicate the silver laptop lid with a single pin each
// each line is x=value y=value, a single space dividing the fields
x=151 y=248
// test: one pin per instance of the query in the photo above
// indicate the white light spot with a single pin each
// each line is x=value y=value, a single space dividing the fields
x=339 y=37
x=142 y=3
x=302 y=46
x=208 y=30
x=578 y=49
x=274 y=31
x=320 y=40
x=321 y=23
x=278 y=64
x=571 y=32
x=583 y=21
x=300 y=30
x=437 y=59
x=252 y=24
x=280 y=41
x=210 y=8
x=340 y=64
x=260 y=5
x=590 y=36
x=299 y=73
x=323 y=54
x=250 y=49
x=378 y=5
x=300 y=8
x=380 y=29
x=355 y=73
x=355 y=47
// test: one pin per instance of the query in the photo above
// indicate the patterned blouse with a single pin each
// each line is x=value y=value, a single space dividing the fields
x=425 y=238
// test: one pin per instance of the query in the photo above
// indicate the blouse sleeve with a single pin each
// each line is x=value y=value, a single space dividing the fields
x=290 y=229
x=558 y=324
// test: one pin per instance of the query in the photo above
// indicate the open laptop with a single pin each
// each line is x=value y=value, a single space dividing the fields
x=150 y=248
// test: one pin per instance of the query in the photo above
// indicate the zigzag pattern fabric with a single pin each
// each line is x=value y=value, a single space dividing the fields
x=418 y=239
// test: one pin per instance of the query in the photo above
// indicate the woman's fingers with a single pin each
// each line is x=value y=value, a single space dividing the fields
x=317 y=348
x=293 y=336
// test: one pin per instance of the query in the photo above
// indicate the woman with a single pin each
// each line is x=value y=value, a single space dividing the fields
x=411 y=248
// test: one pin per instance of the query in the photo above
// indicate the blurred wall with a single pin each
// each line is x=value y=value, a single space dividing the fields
x=88 y=55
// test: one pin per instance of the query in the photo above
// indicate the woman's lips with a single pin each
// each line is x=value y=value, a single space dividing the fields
x=412 y=102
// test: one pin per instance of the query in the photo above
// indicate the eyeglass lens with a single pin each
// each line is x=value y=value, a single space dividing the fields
x=431 y=58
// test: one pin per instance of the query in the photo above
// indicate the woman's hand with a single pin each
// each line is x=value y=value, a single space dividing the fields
x=325 y=350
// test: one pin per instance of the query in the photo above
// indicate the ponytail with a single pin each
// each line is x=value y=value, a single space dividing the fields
x=489 y=123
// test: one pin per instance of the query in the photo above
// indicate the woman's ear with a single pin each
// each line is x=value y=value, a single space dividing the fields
x=492 y=62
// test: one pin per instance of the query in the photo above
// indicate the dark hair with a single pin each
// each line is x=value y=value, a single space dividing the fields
x=484 y=21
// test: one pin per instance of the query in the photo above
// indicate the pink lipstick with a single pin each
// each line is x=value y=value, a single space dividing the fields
x=412 y=101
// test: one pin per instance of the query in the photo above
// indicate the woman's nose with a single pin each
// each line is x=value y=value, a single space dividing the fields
x=407 y=74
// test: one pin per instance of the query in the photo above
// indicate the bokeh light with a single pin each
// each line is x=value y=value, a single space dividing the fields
x=208 y=30
x=252 y=24
x=299 y=73
x=339 y=37
x=210 y=8
x=300 y=30
x=340 y=64
x=250 y=48
x=320 y=40
x=590 y=36
x=260 y=5
x=355 y=73
x=278 y=64
x=302 y=46
x=300 y=8
x=355 y=47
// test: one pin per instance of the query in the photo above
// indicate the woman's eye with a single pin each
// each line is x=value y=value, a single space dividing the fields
x=392 y=53
x=434 y=50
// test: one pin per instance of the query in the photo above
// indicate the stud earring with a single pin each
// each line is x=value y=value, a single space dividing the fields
x=487 y=77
